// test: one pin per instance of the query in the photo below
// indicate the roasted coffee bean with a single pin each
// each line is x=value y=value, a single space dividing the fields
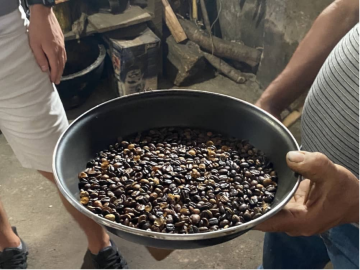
x=213 y=221
x=185 y=211
x=224 y=223
x=193 y=229
x=195 y=219
x=206 y=214
x=247 y=215
x=177 y=180
x=243 y=207
x=170 y=227
x=204 y=229
x=235 y=219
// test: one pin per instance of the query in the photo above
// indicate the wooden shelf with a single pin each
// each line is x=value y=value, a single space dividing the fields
x=103 y=22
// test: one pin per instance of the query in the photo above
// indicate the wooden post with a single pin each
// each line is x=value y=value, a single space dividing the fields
x=194 y=11
x=173 y=23
x=205 y=16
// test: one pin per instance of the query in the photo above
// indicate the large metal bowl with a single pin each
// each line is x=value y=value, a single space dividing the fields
x=100 y=126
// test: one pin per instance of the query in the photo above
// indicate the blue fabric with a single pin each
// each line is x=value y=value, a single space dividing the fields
x=339 y=245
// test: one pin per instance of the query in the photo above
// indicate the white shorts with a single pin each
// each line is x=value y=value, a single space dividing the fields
x=32 y=117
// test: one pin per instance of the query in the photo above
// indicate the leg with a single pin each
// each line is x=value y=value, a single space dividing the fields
x=342 y=243
x=96 y=235
x=7 y=237
x=286 y=252
x=32 y=117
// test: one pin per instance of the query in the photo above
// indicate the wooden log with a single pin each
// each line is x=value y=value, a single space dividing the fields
x=225 y=68
x=205 y=16
x=184 y=61
x=222 y=48
x=173 y=23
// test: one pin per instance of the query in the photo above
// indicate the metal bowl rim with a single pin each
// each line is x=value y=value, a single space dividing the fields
x=164 y=236
x=99 y=59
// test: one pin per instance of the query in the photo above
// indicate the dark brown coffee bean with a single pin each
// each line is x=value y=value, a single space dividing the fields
x=243 y=207
x=235 y=219
x=195 y=219
x=213 y=221
x=206 y=214
x=185 y=211
x=244 y=165
x=224 y=223
x=247 y=215
x=170 y=227
x=203 y=229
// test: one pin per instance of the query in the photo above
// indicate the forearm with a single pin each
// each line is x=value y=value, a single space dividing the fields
x=354 y=211
x=331 y=25
x=39 y=10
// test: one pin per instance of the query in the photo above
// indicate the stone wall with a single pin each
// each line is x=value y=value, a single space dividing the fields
x=277 y=26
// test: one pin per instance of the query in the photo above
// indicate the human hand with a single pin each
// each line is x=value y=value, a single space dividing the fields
x=332 y=194
x=47 y=41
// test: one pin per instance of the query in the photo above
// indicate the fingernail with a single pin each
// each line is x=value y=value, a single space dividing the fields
x=295 y=156
x=44 y=68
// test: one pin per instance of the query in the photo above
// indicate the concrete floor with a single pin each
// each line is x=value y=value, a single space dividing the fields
x=54 y=239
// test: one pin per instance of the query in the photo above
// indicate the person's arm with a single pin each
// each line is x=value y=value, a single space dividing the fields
x=47 y=41
x=331 y=25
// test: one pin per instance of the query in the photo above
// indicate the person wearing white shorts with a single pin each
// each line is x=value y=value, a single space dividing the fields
x=32 y=118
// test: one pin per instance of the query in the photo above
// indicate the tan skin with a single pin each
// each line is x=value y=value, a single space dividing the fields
x=298 y=76
x=47 y=43
x=320 y=206
x=327 y=206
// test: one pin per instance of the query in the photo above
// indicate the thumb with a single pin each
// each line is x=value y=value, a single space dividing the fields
x=314 y=166
x=41 y=59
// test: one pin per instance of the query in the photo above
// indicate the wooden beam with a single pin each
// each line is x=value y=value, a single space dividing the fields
x=173 y=23
x=205 y=16
x=194 y=10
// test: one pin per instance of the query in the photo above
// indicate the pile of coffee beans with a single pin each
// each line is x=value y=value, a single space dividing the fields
x=177 y=180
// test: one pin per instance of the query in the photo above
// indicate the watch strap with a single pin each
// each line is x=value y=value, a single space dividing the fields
x=47 y=3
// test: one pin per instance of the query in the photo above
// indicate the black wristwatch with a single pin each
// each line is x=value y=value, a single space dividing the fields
x=47 y=3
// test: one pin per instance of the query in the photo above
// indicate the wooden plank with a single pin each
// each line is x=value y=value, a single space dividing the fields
x=172 y=23
x=194 y=10
x=293 y=117
x=106 y=22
